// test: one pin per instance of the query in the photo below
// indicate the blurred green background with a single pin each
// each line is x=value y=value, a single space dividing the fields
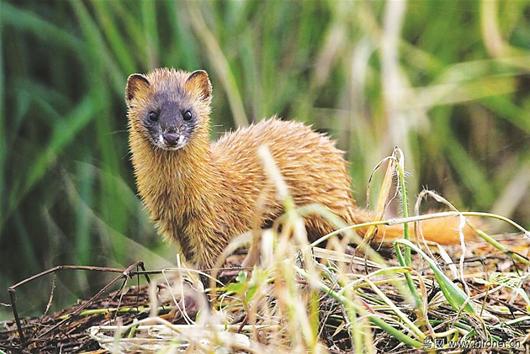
x=446 y=81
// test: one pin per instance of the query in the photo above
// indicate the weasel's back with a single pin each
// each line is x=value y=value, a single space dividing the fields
x=313 y=168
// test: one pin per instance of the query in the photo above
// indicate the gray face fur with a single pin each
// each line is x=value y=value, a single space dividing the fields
x=169 y=122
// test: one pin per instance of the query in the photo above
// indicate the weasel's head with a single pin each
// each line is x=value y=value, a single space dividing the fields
x=169 y=107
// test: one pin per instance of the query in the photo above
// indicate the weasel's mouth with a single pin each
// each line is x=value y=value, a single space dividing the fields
x=171 y=142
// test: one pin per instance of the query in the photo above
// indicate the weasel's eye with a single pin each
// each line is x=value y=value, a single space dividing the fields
x=187 y=115
x=153 y=116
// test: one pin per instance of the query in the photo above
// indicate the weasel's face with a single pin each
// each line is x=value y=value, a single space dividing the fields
x=168 y=124
x=167 y=106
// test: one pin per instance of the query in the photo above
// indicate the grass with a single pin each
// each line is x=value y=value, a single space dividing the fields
x=446 y=82
x=301 y=298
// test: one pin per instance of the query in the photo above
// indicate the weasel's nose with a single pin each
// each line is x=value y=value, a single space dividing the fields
x=171 y=138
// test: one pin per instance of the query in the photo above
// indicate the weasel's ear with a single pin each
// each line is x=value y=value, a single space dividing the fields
x=137 y=84
x=199 y=81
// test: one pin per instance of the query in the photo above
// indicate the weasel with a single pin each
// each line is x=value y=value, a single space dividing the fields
x=203 y=194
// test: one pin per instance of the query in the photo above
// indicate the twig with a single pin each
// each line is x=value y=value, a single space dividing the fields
x=125 y=273
x=12 y=292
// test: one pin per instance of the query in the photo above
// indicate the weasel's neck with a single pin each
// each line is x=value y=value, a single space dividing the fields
x=175 y=184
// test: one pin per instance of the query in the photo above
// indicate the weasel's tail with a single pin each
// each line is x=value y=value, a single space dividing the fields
x=445 y=231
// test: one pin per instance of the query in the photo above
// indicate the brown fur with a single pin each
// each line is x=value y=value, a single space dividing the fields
x=204 y=194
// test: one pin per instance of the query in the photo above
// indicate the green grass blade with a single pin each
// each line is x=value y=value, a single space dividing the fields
x=27 y=21
x=453 y=294
x=63 y=134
